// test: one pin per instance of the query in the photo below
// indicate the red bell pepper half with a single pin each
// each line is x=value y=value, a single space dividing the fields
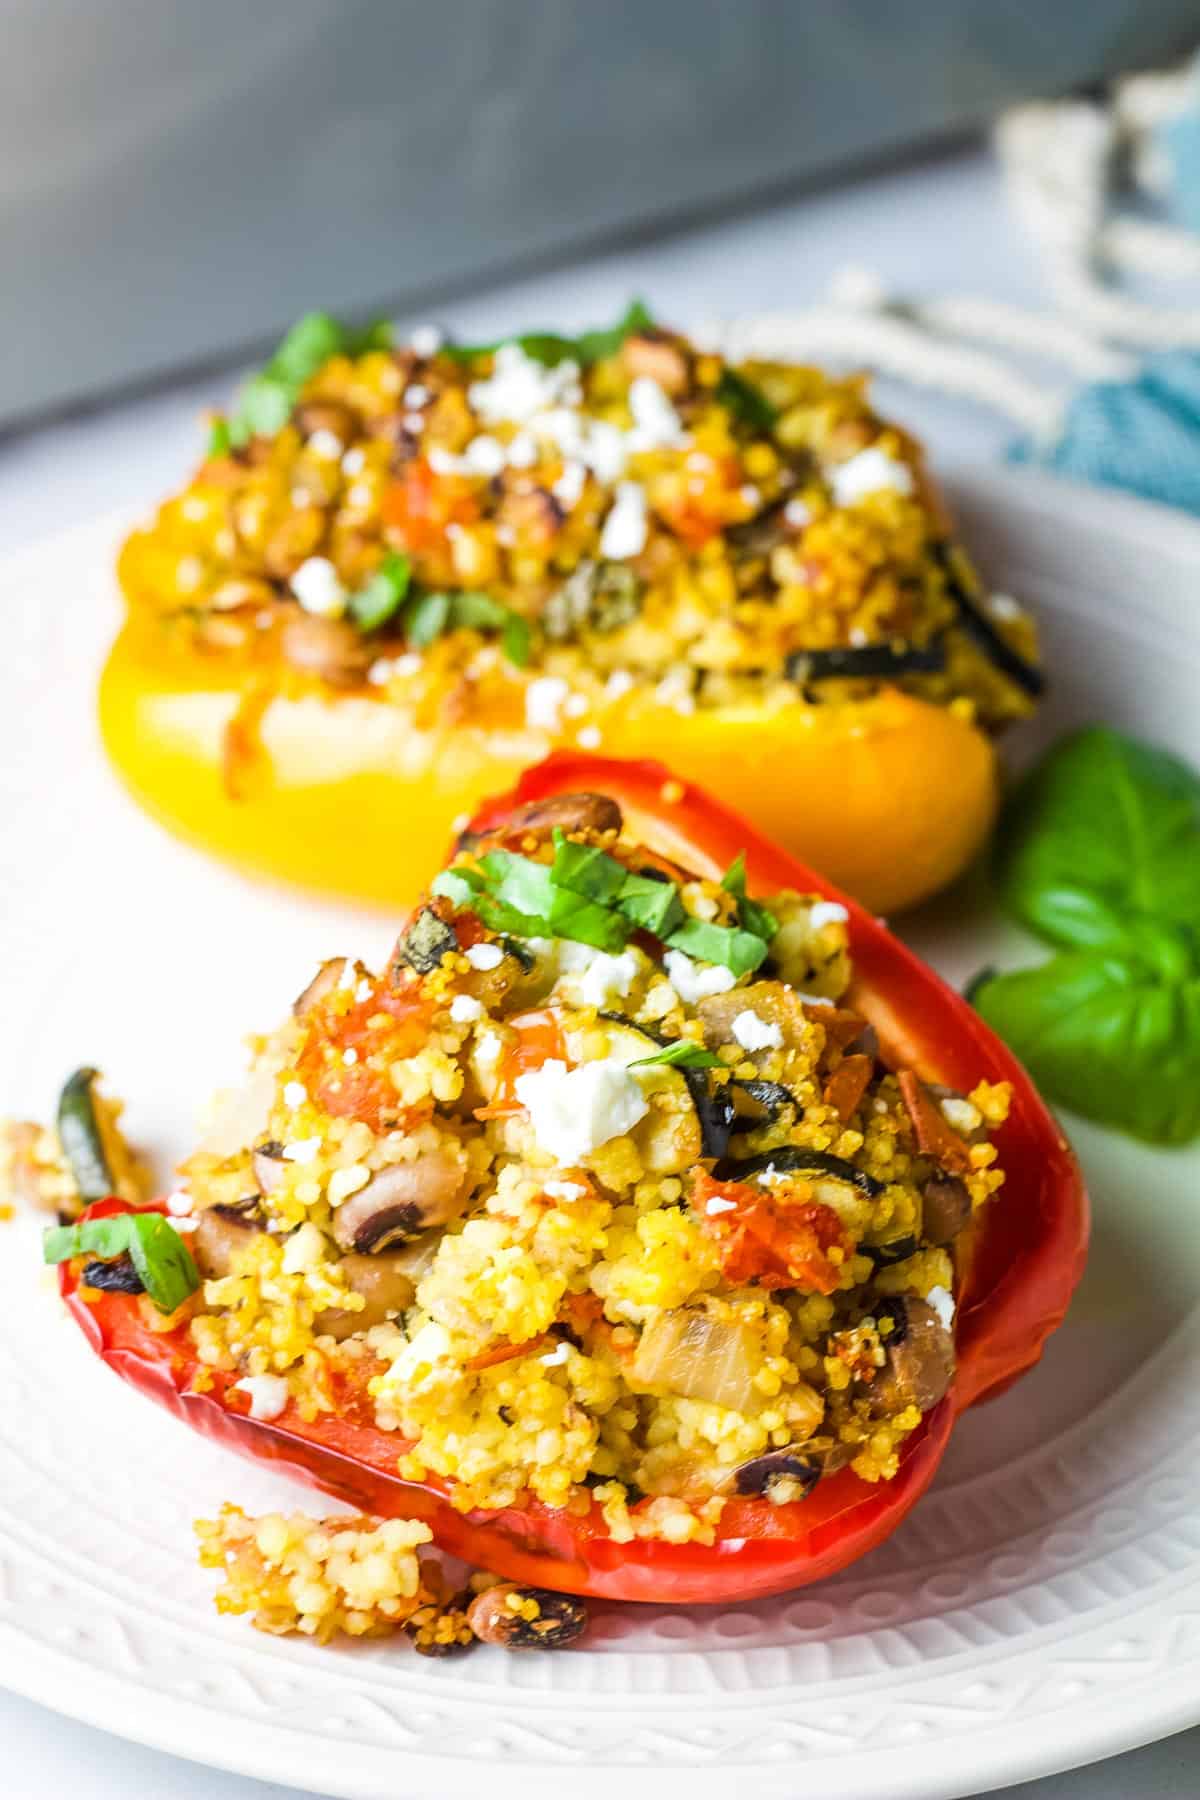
x=1014 y=1281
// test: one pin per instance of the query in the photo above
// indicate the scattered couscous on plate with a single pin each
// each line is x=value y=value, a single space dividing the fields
x=403 y=573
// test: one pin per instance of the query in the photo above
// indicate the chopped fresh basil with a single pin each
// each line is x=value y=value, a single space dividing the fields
x=756 y=919
x=219 y=441
x=586 y=870
x=652 y=905
x=429 y=615
x=745 y=401
x=1099 y=855
x=737 y=950
x=550 y=348
x=375 y=602
x=453 y=885
x=682 y=1054
x=155 y=1248
x=426 y=619
x=266 y=401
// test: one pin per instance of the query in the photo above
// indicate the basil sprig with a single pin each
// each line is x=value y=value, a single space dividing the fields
x=380 y=596
x=431 y=614
x=161 y=1258
x=587 y=896
x=1099 y=855
x=266 y=401
x=550 y=348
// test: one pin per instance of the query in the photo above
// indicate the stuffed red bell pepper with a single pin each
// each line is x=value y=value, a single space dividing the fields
x=642 y=1227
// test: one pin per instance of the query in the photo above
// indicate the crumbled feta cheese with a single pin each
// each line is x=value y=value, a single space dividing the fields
x=827 y=912
x=522 y=451
x=487 y=1048
x=961 y=1115
x=692 y=981
x=484 y=456
x=570 y=484
x=381 y=671
x=1003 y=606
x=813 y=999
x=294 y=1093
x=624 y=532
x=557 y=1356
x=574 y=1111
x=420 y=1356
x=268 y=1394
x=465 y=1009
x=656 y=424
x=942 y=1302
x=354 y=461
x=303 y=1150
x=544 y=700
x=858 y=637
x=408 y=664
x=484 y=956
x=327 y=445
x=426 y=340
x=363 y=991
x=755 y=1033
x=605 y=451
x=589 y=738
x=718 y=1205
x=179 y=1203
x=417 y=394
x=359 y=495
x=519 y=387
x=442 y=461
x=618 y=684
x=350 y=1056
x=413 y=422
x=318 y=588
x=597 y=978
x=750 y=494
x=348 y=976
x=576 y=705
x=870 y=472
x=564 y=1190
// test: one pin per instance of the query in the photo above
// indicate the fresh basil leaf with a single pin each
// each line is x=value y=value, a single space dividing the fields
x=375 y=602
x=755 y=918
x=1103 y=1032
x=219 y=441
x=653 y=905
x=550 y=348
x=453 y=885
x=1103 y=830
x=682 y=1054
x=747 y=403
x=158 y=1253
x=426 y=619
x=738 y=950
x=519 y=882
x=515 y=640
x=583 y=921
x=267 y=399
x=586 y=870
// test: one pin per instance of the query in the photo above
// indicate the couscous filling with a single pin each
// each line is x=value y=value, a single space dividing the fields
x=544 y=533
x=599 y=1192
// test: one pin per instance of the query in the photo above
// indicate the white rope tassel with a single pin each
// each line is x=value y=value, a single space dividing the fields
x=896 y=347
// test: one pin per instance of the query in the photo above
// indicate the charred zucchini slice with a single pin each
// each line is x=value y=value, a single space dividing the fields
x=792 y=1158
x=81 y=1132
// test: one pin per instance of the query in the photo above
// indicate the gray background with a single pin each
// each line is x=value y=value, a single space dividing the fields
x=180 y=177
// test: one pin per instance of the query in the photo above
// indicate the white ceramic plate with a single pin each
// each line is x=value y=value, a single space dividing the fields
x=1040 y=1608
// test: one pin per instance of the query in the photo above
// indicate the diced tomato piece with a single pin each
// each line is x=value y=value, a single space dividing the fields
x=777 y=1237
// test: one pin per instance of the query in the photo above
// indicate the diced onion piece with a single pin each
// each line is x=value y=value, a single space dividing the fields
x=688 y=1353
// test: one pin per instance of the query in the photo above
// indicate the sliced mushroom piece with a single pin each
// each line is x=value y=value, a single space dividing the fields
x=222 y=1231
x=540 y=819
x=656 y=357
x=946 y=1207
x=526 y=1618
x=774 y=1002
x=920 y=1356
x=780 y=1476
x=402 y=1201
x=320 y=987
x=330 y=649
x=386 y=1287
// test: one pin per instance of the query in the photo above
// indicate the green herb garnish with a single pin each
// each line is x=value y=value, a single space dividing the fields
x=266 y=401
x=161 y=1258
x=428 y=616
x=375 y=603
x=586 y=870
x=745 y=401
x=756 y=919
x=738 y=950
x=682 y=1054
x=652 y=905
x=550 y=348
x=1099 y=855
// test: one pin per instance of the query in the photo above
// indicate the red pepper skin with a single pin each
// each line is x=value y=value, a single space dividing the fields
x=1014 y=1285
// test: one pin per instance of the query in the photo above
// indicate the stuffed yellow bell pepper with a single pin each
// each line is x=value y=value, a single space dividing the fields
x=404 y=572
